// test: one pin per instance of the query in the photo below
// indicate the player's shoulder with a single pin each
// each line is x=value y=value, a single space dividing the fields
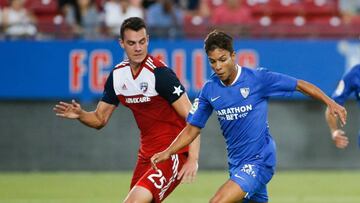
x=213 y=79
x=122 y=64
x=355 y=69
x=154 y=63
x=253 y=72
x=353 y=74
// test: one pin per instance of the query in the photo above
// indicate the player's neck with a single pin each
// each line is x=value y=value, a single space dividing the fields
x=232 y=77
x=135 y=67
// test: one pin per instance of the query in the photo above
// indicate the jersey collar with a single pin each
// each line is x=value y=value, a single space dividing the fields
x=140 y=68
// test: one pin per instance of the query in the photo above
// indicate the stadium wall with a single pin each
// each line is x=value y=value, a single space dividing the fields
x=34 y=75
x=78 y=69
x=34 y=139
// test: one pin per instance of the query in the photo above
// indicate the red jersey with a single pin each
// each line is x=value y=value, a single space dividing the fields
x=149 y=94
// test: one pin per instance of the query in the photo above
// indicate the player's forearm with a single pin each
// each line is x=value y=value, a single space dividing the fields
x=331 y=121
x=194 y=149
x=187 y=135
x=91 y=119
x=313 y=91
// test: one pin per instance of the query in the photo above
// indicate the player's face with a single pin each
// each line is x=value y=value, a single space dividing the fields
x=135 y=44
x=223 y=64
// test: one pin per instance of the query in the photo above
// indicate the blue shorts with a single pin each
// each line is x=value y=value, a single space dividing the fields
x=252 y=177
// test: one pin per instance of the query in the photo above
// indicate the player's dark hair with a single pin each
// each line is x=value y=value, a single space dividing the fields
x=217 y=39
x=133 y=23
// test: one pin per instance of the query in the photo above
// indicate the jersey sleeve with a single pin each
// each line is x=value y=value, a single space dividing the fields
x=277 y=84
x=109 y=95
x=200 y=110
x=344 y=88
x=168 y=85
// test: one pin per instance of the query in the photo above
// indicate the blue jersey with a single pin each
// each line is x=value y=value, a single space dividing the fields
x=350 y=83
x=242 y=109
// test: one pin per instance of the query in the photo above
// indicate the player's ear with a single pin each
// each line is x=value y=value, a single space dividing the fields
x=233 y=55
x=121 y=42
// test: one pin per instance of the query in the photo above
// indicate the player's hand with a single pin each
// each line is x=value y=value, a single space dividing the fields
x=189 y=170
x=159 y=157
x=68 y=110
x=338 y=111
x=340 y=139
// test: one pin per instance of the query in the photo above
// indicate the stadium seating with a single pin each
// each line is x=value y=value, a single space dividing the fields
x=3 y=3
x=294 y=19
x=40 y=7
x=53 y=25
x=271 y=18
x=321 y=7
x=195 y=26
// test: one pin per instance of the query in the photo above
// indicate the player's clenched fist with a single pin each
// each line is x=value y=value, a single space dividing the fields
x=340 y=139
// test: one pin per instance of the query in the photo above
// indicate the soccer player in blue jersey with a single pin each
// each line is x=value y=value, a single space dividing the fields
x=348 y=85
x=239 y=96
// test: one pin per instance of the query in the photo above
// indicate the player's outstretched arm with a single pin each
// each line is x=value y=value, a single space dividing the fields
x=95 y=119
x=189 y=170
x=338 y=135
x=315 y=92
x=187 y=135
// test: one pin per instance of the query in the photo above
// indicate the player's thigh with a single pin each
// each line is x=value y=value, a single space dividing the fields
x=228 y=192
x=252 y=179
x=163 y=181
x=139 y=194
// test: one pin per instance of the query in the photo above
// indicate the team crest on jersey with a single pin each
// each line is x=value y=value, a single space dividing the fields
x=144 y=86
x=245 y=91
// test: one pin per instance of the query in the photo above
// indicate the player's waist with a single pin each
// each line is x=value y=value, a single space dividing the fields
x=146 y=154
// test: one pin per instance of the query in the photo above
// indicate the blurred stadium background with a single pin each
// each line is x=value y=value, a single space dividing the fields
x=59 y=54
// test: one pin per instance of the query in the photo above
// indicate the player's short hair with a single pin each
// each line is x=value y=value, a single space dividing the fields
x=217 y=39
x=132 y=23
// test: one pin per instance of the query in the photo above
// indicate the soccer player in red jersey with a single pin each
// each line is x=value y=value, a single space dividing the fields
x=160 y=105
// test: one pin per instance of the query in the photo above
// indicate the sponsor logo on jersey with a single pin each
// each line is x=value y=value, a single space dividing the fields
x=245 y=92
x=234 y=113
x=214 y=98
x=137 y=100
x=144 y=86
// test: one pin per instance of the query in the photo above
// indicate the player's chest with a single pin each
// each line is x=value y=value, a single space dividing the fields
x=125 y=84
x=239 y=96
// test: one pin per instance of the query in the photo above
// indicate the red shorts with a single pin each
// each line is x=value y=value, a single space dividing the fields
x=160 y=182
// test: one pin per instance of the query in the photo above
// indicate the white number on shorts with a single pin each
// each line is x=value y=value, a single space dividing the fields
x=159 y=175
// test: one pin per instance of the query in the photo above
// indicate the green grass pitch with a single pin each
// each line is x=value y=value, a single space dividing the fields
x=106 y=187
